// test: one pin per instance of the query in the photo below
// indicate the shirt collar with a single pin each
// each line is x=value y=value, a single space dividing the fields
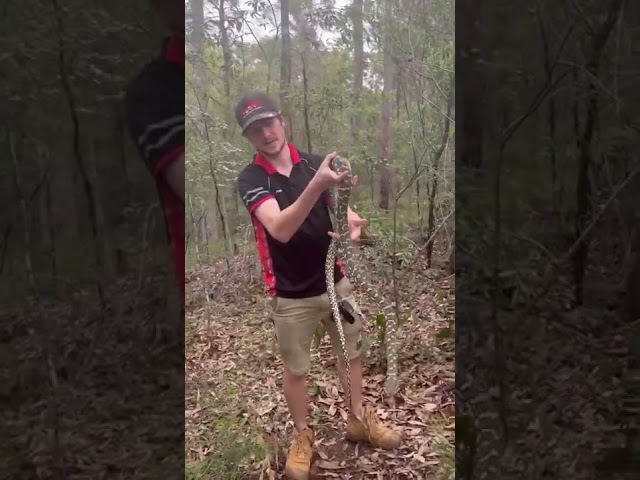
x=268 y=166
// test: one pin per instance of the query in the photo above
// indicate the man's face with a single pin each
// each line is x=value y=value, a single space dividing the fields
x=267 y=135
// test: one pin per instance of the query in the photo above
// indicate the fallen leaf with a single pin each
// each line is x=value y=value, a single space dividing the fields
x=262 y=411
x=191 y=413
x=327 y=465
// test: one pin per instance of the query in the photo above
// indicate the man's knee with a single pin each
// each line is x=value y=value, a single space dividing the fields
x=352 y=337
x=354 y=348
x=355 y=359
x=296 y=357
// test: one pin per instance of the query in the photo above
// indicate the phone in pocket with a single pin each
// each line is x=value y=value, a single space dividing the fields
x=347 y=311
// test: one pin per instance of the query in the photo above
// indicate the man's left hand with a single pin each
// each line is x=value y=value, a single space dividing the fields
x=356 y=222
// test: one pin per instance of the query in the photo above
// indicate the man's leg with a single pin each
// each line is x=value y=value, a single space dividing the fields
x=295 y=391
x=355 y=367
x=295 y=322
x=352 y=333
x=362 y=424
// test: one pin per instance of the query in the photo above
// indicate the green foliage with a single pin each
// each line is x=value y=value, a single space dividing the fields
x=381 y=323
x=230 y=448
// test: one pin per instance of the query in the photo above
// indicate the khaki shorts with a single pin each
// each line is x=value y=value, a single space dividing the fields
x=296 y=321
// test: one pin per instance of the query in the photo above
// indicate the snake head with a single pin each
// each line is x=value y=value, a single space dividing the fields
x=340 y=164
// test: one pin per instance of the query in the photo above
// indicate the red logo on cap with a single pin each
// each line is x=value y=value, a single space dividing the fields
x=250 y=108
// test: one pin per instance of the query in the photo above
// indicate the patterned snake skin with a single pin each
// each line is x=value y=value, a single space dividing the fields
x=341 y=249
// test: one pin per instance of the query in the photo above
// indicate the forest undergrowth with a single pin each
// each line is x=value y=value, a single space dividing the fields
x=237 y=423
x=557 y=398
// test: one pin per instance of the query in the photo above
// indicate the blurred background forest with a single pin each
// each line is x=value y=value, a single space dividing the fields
x=87 y=290
x=84 y=208
x=547 y=237
x=373 y=81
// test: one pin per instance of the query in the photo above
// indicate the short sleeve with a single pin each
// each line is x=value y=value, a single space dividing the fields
x=155 y=116
x=253 y=188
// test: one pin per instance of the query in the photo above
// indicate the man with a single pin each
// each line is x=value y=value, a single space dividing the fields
x=155 y=114
x=285 y=191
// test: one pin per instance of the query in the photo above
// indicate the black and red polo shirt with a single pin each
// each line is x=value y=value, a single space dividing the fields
x=294 y=269
x=155 y=114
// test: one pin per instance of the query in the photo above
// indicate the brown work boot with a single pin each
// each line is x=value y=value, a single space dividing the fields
x=299 y=455
x=371 y=430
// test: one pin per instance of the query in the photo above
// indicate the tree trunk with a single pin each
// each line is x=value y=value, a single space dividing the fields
x=358 y=65
x=226 y=53
x=436 y=164
x=583 y=190
x=88 y=190
x=470 y=112
x=387 y=112
x=305 y=93
x=196 y=39
x=285 y=68
x=555 y=190
x=101 y=218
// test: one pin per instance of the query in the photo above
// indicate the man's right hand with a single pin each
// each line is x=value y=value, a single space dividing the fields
x=326 y=178
x=283 y=224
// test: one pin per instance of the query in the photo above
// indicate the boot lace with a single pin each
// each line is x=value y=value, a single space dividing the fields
x=372 y=418
x=300 y=443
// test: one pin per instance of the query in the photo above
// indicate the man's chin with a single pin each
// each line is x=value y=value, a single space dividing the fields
x=271 y=149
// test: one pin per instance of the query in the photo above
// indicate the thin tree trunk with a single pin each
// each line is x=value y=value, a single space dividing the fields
x=226 y=51
x=47 y=220
x=122 y=142
x=305 y=83
x=196 y=39
x=436 y=165
x=555 y=189
x=583 y=191
x=47 y=330
x=387 y=112
x=472 y=90
x=358 y=64
x=103 y=232
x=219 y=207
x=285 y=68
x=77 y=153
x=24 y=212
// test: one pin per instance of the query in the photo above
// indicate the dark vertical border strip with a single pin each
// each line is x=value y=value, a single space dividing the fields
x=547 y=239
x=91 y=317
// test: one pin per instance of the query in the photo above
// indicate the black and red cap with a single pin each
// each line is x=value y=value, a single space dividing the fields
x=255 y=106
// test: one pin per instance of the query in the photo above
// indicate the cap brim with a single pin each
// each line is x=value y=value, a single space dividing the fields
x=259 y=116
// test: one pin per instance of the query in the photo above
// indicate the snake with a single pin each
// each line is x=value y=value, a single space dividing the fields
x=340 y=249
